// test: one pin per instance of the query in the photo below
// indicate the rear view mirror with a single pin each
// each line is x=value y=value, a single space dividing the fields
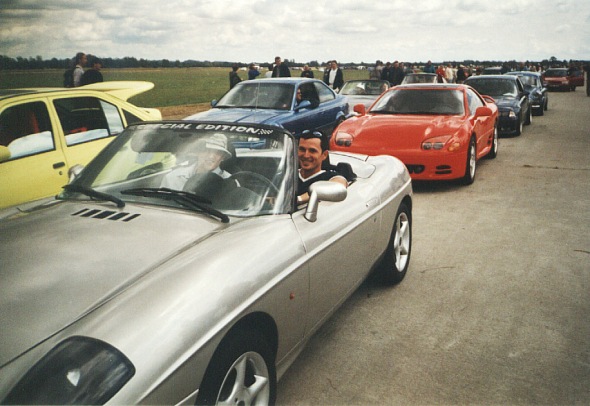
x=323 y=191
x=74 y=172
x=483 y=111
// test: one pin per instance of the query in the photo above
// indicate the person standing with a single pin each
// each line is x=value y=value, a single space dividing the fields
x=429 y=67
x=234 y=78
x=450 y=73
x=280 y=70
x=396 y=74
x=92 y=75
x=461 y=74
x=334 y=77
x=376 y=72
x=252 y=72
x=307 y=72
x=80 y=61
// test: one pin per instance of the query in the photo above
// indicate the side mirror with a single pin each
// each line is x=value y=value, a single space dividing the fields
x=483 y=111
x=488 y=99
x=4 y=153
x=360 y=109
x=214 y=102
x=74 y=172
x=305 y=104
x=326 y=191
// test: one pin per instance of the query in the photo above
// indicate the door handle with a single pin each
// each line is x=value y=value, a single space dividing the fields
x=58 y=165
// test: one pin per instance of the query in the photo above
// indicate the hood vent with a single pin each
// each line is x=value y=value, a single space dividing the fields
x=106 y=214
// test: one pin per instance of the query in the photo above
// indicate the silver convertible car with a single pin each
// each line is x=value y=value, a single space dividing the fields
x=148 y=280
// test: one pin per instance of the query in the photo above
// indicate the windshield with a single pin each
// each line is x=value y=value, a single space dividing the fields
x=527 y=80
x=364 y=87
x=555 y=73
x=260 y=94
x=421 y=101
x=234 y=170
x=420 y=78
x=494 y=87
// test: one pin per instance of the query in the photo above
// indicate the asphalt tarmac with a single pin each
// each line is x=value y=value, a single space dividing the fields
x=495 y=308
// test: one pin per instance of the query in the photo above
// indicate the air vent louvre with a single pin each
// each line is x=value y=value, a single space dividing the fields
x=106 y=214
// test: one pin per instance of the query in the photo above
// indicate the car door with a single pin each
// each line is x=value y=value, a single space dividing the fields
x=32 y=164
x=339 y=248
x=332 y=108
x=307 y=118
x=88 y=124
x=524 y=100
x=482 y=126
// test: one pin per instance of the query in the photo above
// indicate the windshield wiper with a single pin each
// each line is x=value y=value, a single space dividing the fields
x=95 y=194
x=186 y=199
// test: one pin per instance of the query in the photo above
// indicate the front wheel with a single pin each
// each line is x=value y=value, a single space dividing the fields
x=241 y=372
x=520 y=125
x=494 y=149
x=397 y=257
x=471 y=163
x=529 y=117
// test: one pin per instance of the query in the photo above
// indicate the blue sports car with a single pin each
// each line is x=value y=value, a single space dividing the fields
x=296 y=104
x=510 y=96
x=538 y=95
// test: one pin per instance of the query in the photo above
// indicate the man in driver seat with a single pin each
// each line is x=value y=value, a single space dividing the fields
x=312 y=152
x=206 y=158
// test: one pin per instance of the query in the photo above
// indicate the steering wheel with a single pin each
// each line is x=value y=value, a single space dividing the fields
x=255 y=182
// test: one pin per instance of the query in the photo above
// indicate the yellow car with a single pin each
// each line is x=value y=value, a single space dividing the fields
x=46 y=131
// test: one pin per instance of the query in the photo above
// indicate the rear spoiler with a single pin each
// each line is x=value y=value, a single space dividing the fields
x=123 y=90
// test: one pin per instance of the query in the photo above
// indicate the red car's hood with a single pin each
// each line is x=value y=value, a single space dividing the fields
x=382 y=134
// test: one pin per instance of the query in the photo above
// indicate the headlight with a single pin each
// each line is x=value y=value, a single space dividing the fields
x=79 y=370
x=509 y=113
x=343 y=139
x=438 y=143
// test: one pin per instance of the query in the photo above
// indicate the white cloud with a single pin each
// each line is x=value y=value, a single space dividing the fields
x=347 y=30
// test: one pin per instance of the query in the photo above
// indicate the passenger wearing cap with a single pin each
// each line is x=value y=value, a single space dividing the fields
x=312 y=152
x=204 y=159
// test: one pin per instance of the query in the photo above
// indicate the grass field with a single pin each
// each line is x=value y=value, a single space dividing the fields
x=173 y=86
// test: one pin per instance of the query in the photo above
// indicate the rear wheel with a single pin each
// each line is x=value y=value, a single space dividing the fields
x=397 y=257
x=241 y=372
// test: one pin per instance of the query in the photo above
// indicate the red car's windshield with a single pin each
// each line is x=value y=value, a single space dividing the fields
x=421 y=101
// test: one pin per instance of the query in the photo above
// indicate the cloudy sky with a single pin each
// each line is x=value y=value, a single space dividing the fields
x=317 y=30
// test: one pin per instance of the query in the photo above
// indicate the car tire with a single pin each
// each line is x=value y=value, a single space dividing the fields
x=520 y=126
x=529 y=117
x=396 y=261
x=494 y=150
x=241 y=371
x=471 y=163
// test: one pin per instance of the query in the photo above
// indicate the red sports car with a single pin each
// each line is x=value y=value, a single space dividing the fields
x=438 y=131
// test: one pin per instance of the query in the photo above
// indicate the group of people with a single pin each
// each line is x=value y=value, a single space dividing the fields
x=333 y=75
x=76 y=75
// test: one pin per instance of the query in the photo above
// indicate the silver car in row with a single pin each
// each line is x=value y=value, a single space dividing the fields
x=123 y=291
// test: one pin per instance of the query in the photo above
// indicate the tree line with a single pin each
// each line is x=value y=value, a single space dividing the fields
x=21 y=63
